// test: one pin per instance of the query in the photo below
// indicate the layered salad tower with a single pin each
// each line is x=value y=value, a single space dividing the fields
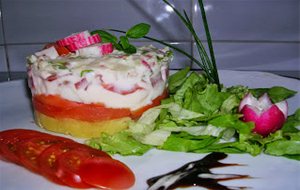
x=83 y=87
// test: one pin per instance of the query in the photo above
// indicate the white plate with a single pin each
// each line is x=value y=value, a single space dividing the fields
x=268 y=172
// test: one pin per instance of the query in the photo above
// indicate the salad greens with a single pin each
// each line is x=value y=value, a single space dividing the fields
x=200 y=115
x=199 y=118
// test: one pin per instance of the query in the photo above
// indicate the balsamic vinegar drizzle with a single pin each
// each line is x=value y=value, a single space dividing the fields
x=196 y=173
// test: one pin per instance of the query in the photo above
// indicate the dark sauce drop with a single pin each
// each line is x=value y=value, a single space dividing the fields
x=196 y=173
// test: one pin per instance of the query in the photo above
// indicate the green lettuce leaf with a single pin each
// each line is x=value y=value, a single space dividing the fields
x=233 y=147
x=276 y=93
x=289 y=148
x=177 y=79
x=194 y=81
x=184 y=142
x=292 y=122
x=121 y=143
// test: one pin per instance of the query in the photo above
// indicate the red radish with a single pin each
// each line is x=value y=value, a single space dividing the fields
x=77 y=45
x=94 y=39
x=79 y=40
x=146 y=64
x=82 y=84
x=267 y=117
x=107 y=48
x=52 y=77
x=84 y=42
x=73 y=38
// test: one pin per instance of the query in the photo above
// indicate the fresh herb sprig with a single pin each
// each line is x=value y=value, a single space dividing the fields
x=206 y=63
x=123 y=44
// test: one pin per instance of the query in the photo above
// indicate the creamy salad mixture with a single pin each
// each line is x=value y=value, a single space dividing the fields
x=117 y=80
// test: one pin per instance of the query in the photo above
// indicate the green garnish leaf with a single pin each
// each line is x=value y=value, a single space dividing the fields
x=124 y=42
x=138 y=31
x=126 y=46
x=85 y=71
x=130 y=49
x=106 y=36
x=276 y=93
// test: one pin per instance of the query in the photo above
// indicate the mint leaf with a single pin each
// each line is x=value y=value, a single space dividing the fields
x=138 y=31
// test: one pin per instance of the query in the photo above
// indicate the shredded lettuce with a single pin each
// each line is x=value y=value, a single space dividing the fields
x=200 y=118
x=120 y=143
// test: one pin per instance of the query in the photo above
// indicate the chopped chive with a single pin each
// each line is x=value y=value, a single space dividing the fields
x=59 y=65
x=85 y=71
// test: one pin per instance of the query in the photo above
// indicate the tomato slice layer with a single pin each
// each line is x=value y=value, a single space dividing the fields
x=69 y=162
x=57 y=107
x=29 y=150
x=64 y=161
x=9 y=141
x=48 y=159
x=106 y=173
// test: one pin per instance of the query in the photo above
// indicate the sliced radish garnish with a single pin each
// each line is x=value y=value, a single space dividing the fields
x=76 y=37
x=79 y=40
x=77 y=45
x=267 y=117
x=106 y=48
x=84 y=42
x=94 y=39
x=283 y=107
x=269 y=121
